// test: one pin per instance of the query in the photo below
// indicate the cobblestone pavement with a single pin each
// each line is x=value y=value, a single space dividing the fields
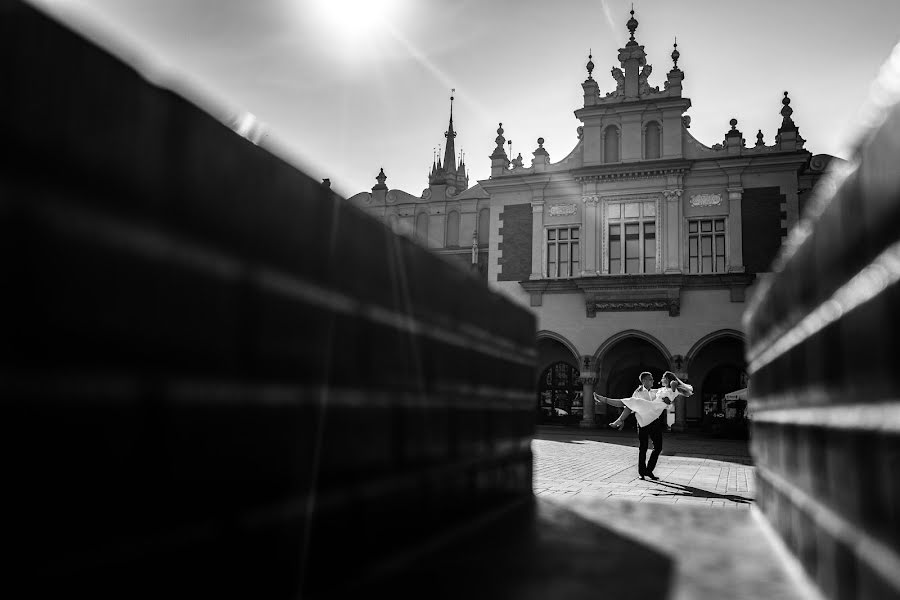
x=693 y=470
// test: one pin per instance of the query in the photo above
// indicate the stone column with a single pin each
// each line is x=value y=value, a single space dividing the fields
x=735 y=231
x=537 y=240
x=589 y=237
x=680 y=423
x=588 y=378
x=673 y=226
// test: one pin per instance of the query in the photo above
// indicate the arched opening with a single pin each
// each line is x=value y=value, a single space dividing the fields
x=452 y=229
x=422 y=227
x=558 y=390
x=620 y=366
x=717 y=367
x=651 y=140
x=611 y=144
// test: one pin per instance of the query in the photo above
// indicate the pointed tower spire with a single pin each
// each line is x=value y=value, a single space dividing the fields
x=450 y=151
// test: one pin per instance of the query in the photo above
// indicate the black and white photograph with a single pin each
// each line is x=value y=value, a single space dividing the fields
x=451 y=299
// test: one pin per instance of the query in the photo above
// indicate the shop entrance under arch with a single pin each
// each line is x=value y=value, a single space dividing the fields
x=560 y=394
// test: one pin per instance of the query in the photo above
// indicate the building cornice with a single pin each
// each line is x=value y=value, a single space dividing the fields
x=644 y=169
x=637 y=292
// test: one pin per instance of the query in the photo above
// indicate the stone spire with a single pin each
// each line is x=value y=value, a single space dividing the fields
x=450 y=150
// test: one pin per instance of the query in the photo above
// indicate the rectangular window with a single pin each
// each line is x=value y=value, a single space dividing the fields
x=563 y=252
x=631 y=236
x=706 y=246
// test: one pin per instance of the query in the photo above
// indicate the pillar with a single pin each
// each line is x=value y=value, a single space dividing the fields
x=735 y=231
x=589 y=237
x=680 y=408
x=537 y=240
x=588 y=378
x=673 y=226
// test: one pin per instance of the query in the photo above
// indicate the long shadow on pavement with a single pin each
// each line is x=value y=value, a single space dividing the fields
x=679 y=489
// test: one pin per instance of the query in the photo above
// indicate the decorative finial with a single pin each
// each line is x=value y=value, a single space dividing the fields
x=632 y=23
x=675 y=53
x=787 y=111
x=733 y=124
x=499 y=140
x=381 y=177
x=540 y=142
x=759 y=139
x=590 y=63
x=787 y=123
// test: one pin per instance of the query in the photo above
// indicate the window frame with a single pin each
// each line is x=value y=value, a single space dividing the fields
x=641 y=220
x=574 y=266
x=714 y=235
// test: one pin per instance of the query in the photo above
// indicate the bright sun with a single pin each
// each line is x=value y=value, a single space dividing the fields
x=353 y=16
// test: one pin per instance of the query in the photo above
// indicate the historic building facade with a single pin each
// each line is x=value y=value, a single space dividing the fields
x=636 y=251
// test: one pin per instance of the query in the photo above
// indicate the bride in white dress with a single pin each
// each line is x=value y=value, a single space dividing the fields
x=647 y=403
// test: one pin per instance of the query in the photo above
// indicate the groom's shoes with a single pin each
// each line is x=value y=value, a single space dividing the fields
x=652 y=476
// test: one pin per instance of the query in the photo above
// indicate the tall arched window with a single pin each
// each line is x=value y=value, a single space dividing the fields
x=422 y=227
x=611 y=144
x=452 y=229
x=651 y=140
x=484 y=226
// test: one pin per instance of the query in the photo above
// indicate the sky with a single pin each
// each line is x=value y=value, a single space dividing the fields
x=342 y=88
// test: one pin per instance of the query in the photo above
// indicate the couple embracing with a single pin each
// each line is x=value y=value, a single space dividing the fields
x=649 y=406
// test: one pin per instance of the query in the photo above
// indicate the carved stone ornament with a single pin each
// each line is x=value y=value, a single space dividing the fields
x=672 y=194
x=706 y=199
x=673 y=305
x=426 y=194
x=560 y=210
x=593 y=200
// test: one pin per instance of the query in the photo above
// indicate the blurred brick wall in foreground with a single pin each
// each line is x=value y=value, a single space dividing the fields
x=217 y=377
x=824 y=356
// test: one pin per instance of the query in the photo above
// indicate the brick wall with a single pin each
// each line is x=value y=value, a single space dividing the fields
x=761 y=216
x=516 y=244
x=218 y=378
x=824 y=337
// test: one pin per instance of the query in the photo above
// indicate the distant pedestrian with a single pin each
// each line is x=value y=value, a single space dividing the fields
x=649 y=406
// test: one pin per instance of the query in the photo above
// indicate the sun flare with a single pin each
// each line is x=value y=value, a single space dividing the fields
x=348 y=17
